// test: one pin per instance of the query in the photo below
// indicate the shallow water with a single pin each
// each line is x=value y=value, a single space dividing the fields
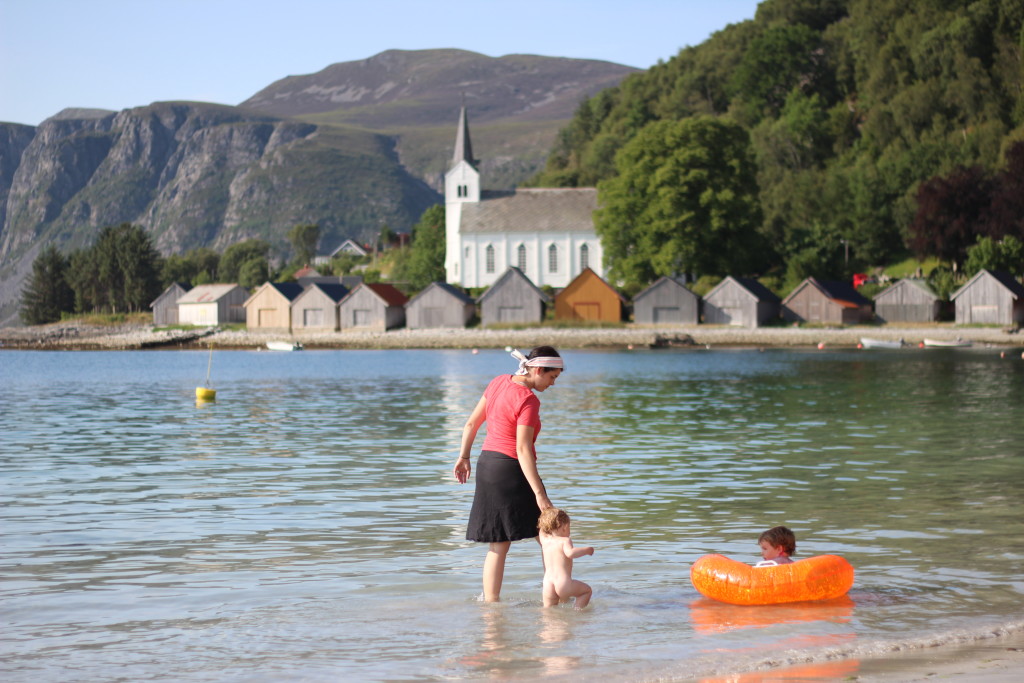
x=306 y=525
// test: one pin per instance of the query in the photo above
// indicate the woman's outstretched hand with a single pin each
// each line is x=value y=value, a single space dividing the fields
x=461 y=470
x=543 y=502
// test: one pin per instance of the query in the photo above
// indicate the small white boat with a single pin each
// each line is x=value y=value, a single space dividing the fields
x=947 y=343
x=284 y=346
x=869 y=343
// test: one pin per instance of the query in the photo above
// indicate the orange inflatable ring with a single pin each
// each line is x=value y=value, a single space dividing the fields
x=815 y=578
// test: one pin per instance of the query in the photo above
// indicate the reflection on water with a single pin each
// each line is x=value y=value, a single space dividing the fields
x=305 y=524
x=825 y=671
x=710 y=616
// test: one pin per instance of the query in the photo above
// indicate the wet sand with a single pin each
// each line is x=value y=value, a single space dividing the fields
x=996 y=659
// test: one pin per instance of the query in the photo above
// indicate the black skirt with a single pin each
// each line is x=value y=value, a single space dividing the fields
x=504 y=505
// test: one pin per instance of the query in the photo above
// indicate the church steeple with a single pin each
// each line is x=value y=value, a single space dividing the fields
x=463 y=146
x=461 y=187
x=462 y=181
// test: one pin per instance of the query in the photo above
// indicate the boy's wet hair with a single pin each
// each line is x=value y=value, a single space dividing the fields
x=780 y=536
x=552 y=519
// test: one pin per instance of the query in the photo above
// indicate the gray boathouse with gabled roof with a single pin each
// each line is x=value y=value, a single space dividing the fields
x=908 y=300
x=439 y=305
x=513 y=299
x=666 y=302
x=740 y=301
x=165 y=306
x=990 y=297
x=316 y=309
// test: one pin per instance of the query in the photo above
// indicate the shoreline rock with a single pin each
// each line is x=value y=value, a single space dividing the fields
x=78 y=336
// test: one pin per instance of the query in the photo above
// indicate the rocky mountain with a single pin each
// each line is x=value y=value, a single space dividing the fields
x=356 y=146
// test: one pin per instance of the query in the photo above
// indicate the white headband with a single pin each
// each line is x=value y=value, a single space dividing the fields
x=538 y=362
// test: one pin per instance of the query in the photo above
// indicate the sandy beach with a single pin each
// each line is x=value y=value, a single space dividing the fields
x=995 y=659
x=74 y=335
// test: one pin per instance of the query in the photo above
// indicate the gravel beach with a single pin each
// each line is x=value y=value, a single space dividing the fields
x=73 y=335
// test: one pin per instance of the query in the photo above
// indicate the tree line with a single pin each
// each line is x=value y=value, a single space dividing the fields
x=122 y=272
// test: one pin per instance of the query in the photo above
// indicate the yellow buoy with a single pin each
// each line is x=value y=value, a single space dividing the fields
x=207 y=393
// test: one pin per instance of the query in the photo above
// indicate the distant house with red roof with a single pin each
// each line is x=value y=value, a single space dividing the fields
x=826 y=301
x=372 y=307
x=306 y=271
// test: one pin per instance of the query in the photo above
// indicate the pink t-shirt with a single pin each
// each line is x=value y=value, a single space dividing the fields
x=509 y=404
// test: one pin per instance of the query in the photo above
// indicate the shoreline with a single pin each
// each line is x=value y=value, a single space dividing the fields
x=73 y=335
x=997 y=657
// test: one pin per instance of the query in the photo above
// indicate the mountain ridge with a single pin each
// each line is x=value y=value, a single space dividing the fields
x=204 y=174
x=529 y=87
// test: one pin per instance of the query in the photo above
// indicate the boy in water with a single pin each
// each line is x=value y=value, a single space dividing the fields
x=559 y=586
x=777 y=544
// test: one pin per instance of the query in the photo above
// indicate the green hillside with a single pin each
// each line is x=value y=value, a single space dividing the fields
x=847 y=106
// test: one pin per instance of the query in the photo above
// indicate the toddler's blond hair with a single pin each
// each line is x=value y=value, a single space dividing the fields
x=552 y=519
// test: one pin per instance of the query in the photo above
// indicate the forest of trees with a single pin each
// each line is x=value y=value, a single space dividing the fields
x=824 y=137
x=122 y=272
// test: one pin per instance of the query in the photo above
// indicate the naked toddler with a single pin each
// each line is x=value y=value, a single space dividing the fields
x=559 y=586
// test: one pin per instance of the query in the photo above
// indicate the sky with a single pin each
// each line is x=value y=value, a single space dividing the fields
x=117 y=54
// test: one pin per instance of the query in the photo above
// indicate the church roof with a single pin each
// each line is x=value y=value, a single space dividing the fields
x=532 y=210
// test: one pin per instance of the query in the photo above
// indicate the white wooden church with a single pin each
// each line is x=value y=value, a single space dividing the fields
x=547 y=233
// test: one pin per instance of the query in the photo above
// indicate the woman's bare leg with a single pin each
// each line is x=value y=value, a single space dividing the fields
x=494 y=570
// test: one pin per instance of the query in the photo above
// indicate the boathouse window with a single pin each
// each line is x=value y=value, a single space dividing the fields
x=584 y=257
x=552 y=259
x=521 y=258
x=490 y=258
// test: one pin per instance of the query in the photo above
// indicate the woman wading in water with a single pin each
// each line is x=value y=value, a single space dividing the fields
x=509 y=491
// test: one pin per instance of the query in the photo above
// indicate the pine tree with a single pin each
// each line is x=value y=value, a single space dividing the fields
x=47 y=293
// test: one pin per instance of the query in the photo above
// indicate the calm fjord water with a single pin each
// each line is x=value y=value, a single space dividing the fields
x=306 y=525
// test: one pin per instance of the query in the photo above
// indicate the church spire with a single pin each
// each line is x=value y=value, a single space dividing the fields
x=463 y=147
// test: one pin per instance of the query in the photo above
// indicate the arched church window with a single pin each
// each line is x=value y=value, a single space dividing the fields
x=521 y=257
x=490 y=258
x=584 y=256
x=552 y=259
